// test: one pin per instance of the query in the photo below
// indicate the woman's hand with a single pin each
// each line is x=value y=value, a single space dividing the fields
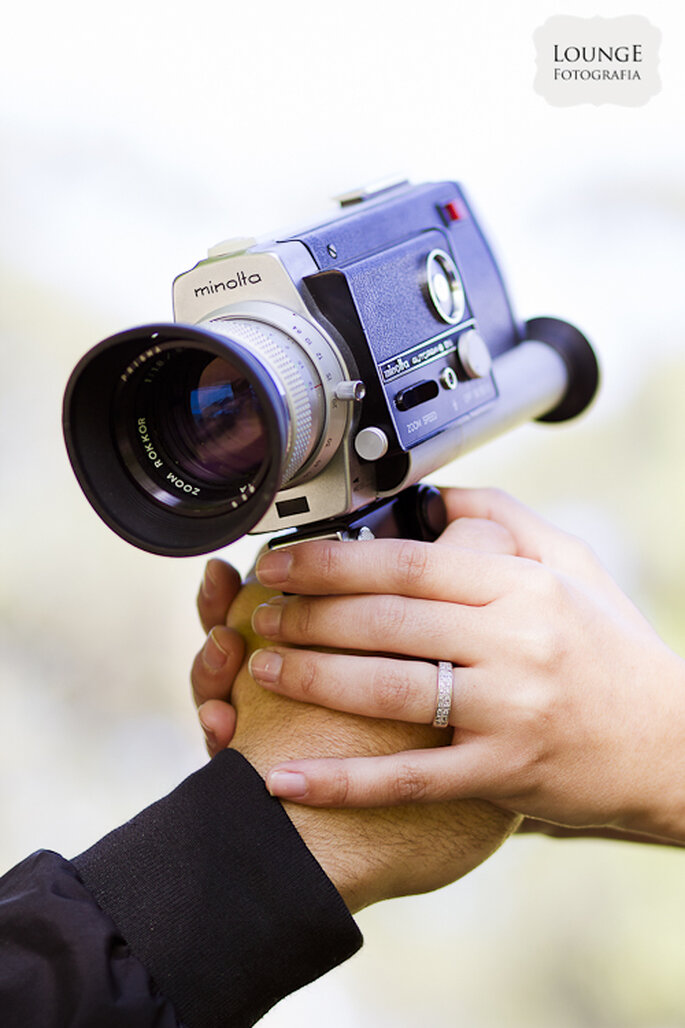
x=215 y=667
x=218 y=662
x=567 y=706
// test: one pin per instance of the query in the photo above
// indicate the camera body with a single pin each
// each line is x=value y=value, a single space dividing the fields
x=373 y=347
x=365 y=278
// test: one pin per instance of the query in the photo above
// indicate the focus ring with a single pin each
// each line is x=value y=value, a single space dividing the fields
x=298 y=381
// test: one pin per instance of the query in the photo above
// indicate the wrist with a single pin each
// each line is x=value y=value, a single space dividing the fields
x=338 y=842
x=658 y=809
x=439 y=842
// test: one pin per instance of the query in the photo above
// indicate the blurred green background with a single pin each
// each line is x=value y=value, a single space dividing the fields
x=133 y=140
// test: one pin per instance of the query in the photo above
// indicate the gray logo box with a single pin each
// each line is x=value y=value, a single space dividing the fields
x=597 y=60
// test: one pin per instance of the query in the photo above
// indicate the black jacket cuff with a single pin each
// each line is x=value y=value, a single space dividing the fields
x=217 y=895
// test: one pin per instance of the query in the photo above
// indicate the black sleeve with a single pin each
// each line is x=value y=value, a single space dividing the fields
x=209 y=910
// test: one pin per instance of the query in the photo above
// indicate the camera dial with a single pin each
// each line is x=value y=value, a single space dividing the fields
x=445 y=287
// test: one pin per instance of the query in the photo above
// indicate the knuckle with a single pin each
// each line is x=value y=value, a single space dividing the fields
x=409 y=785
x=546 y=590
x=582 y=554
x=331 y=559
x=412 y=561
x=543 y=645
x=388 y=614
x=391 y=690
x=302 y=671
x=298 y=618
x=339 y=786
x=494 y=500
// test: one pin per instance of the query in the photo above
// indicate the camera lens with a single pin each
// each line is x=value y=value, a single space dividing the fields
x=181 y=436
x=192 y=430
x=224 y=436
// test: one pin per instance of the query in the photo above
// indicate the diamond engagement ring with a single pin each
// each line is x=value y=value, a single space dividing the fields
x=444 y=702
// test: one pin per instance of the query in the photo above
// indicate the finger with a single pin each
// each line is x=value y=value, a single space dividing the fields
x=528 y=529
x=402 y=690
x=218 y=721
x=218 y=590
x=535 y=538
x=383 y=624
x=400 y=566
x=415 y=776
x=216 y=665
x=479 y=534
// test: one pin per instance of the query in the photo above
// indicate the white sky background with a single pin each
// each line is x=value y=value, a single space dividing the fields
x=134 y=137
x=136 y=140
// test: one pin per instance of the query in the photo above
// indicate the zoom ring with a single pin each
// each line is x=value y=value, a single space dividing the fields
x=290 y=367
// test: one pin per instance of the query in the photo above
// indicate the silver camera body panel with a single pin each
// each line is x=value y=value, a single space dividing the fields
x=334 y=481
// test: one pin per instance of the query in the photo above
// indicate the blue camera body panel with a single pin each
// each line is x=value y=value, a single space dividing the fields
x=381 y=248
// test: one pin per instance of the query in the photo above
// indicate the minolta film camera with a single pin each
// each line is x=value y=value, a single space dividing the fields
x=310 y=381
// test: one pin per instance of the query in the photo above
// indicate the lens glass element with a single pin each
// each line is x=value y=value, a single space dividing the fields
x=215 y=424
x=191 y=429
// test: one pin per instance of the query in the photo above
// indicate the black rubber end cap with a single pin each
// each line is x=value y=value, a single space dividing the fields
x=581 y=362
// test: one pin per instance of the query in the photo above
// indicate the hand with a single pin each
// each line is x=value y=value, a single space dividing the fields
x=216 y=665
x=567 y=706
x=219 y=660
x=369 y=855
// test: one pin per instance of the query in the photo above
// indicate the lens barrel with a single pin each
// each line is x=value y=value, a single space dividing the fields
x=180 y=437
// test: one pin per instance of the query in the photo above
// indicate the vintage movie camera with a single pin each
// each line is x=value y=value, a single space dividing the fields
x=311 y=381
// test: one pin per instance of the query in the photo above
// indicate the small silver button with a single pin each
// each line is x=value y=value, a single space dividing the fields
x=371 y=443
x=474 y=354
x=448 y=378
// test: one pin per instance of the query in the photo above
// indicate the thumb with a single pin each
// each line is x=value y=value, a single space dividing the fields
x=479 y=534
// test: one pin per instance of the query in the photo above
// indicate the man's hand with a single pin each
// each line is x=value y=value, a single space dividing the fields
x=218 y=662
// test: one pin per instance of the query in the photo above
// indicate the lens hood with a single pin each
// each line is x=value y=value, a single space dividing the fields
x=90 y=415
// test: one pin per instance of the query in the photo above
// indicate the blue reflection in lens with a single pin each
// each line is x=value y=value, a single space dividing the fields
x=212 y=401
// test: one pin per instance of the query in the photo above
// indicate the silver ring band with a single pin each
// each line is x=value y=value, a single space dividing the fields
x=444 y=703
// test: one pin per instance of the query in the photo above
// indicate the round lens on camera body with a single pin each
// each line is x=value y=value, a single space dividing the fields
x=177 y=436
x=226 y=435
x=191 y=430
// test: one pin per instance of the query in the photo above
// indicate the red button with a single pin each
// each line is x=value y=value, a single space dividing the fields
x=452 y=211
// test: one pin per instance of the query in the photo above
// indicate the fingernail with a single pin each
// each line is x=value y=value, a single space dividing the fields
x=266 y=619
x=287 y=784
x=209 y=584
x=273 y=567
x=213 y=656
x=265 y=666
x=209 y=734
